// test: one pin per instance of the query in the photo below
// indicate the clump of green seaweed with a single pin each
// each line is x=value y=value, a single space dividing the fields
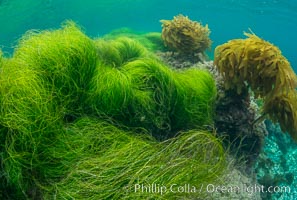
x=258 y=64
x=65 y=59
x=112 y=170
x=185 y=36
x=30 y=120
x=77 y=116
x=152 y=40
x=134 y=87
x=197 y=106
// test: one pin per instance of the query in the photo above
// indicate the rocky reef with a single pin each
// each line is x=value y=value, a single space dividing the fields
x=276 y=164
x=234 y=115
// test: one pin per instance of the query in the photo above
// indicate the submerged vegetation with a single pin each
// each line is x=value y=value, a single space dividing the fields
x=84 y=118
x=152 y=40
x=65 y=59
x=197 y=106
x=135 y=88
x=77 y=118
x=1 y=58
x=185 y=36
x=257 y=64
x=30 y=121
x=112 y=170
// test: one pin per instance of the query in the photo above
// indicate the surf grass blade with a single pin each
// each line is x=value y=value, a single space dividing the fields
x=55 y=74
x=65 y=57
x=154 y=89
x=110 y=93
x=30 y=121
x=196 y=93
x=124 y=159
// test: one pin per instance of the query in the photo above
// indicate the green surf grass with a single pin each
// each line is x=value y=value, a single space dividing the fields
x=156 y=42
x=129 y=49
x=154 y=90
x=1 y=58
x=56 y=77
x=117 y=52
x=30 y=122
x=111 y=93
x=111 y=88
x=2 y=141
x=66 y=58
x=122 y=159
x=137 y=89
x=152 y=40
x=108 y=54
x=130 y=84
x=196 y=93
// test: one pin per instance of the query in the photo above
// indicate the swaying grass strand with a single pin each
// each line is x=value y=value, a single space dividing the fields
x=123 y=159
x=66 y=58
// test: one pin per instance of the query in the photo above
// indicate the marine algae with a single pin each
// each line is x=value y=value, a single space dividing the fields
x=257 y=64
x=185 y=36
x=151 y=40
x=282 y=108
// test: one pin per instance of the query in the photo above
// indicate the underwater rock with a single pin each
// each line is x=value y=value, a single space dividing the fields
x=270 y=157
x=276 y=164
x=180 y=61
x=236 y=183
x=234 y=120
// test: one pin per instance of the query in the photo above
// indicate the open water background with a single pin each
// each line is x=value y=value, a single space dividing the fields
x=272 y=20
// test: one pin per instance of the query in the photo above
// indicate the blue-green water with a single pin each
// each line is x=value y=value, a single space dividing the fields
x=273 y=20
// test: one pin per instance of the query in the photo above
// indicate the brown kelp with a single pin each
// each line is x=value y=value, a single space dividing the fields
x=258 y=64
x=282 y=108
x=185 y=36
